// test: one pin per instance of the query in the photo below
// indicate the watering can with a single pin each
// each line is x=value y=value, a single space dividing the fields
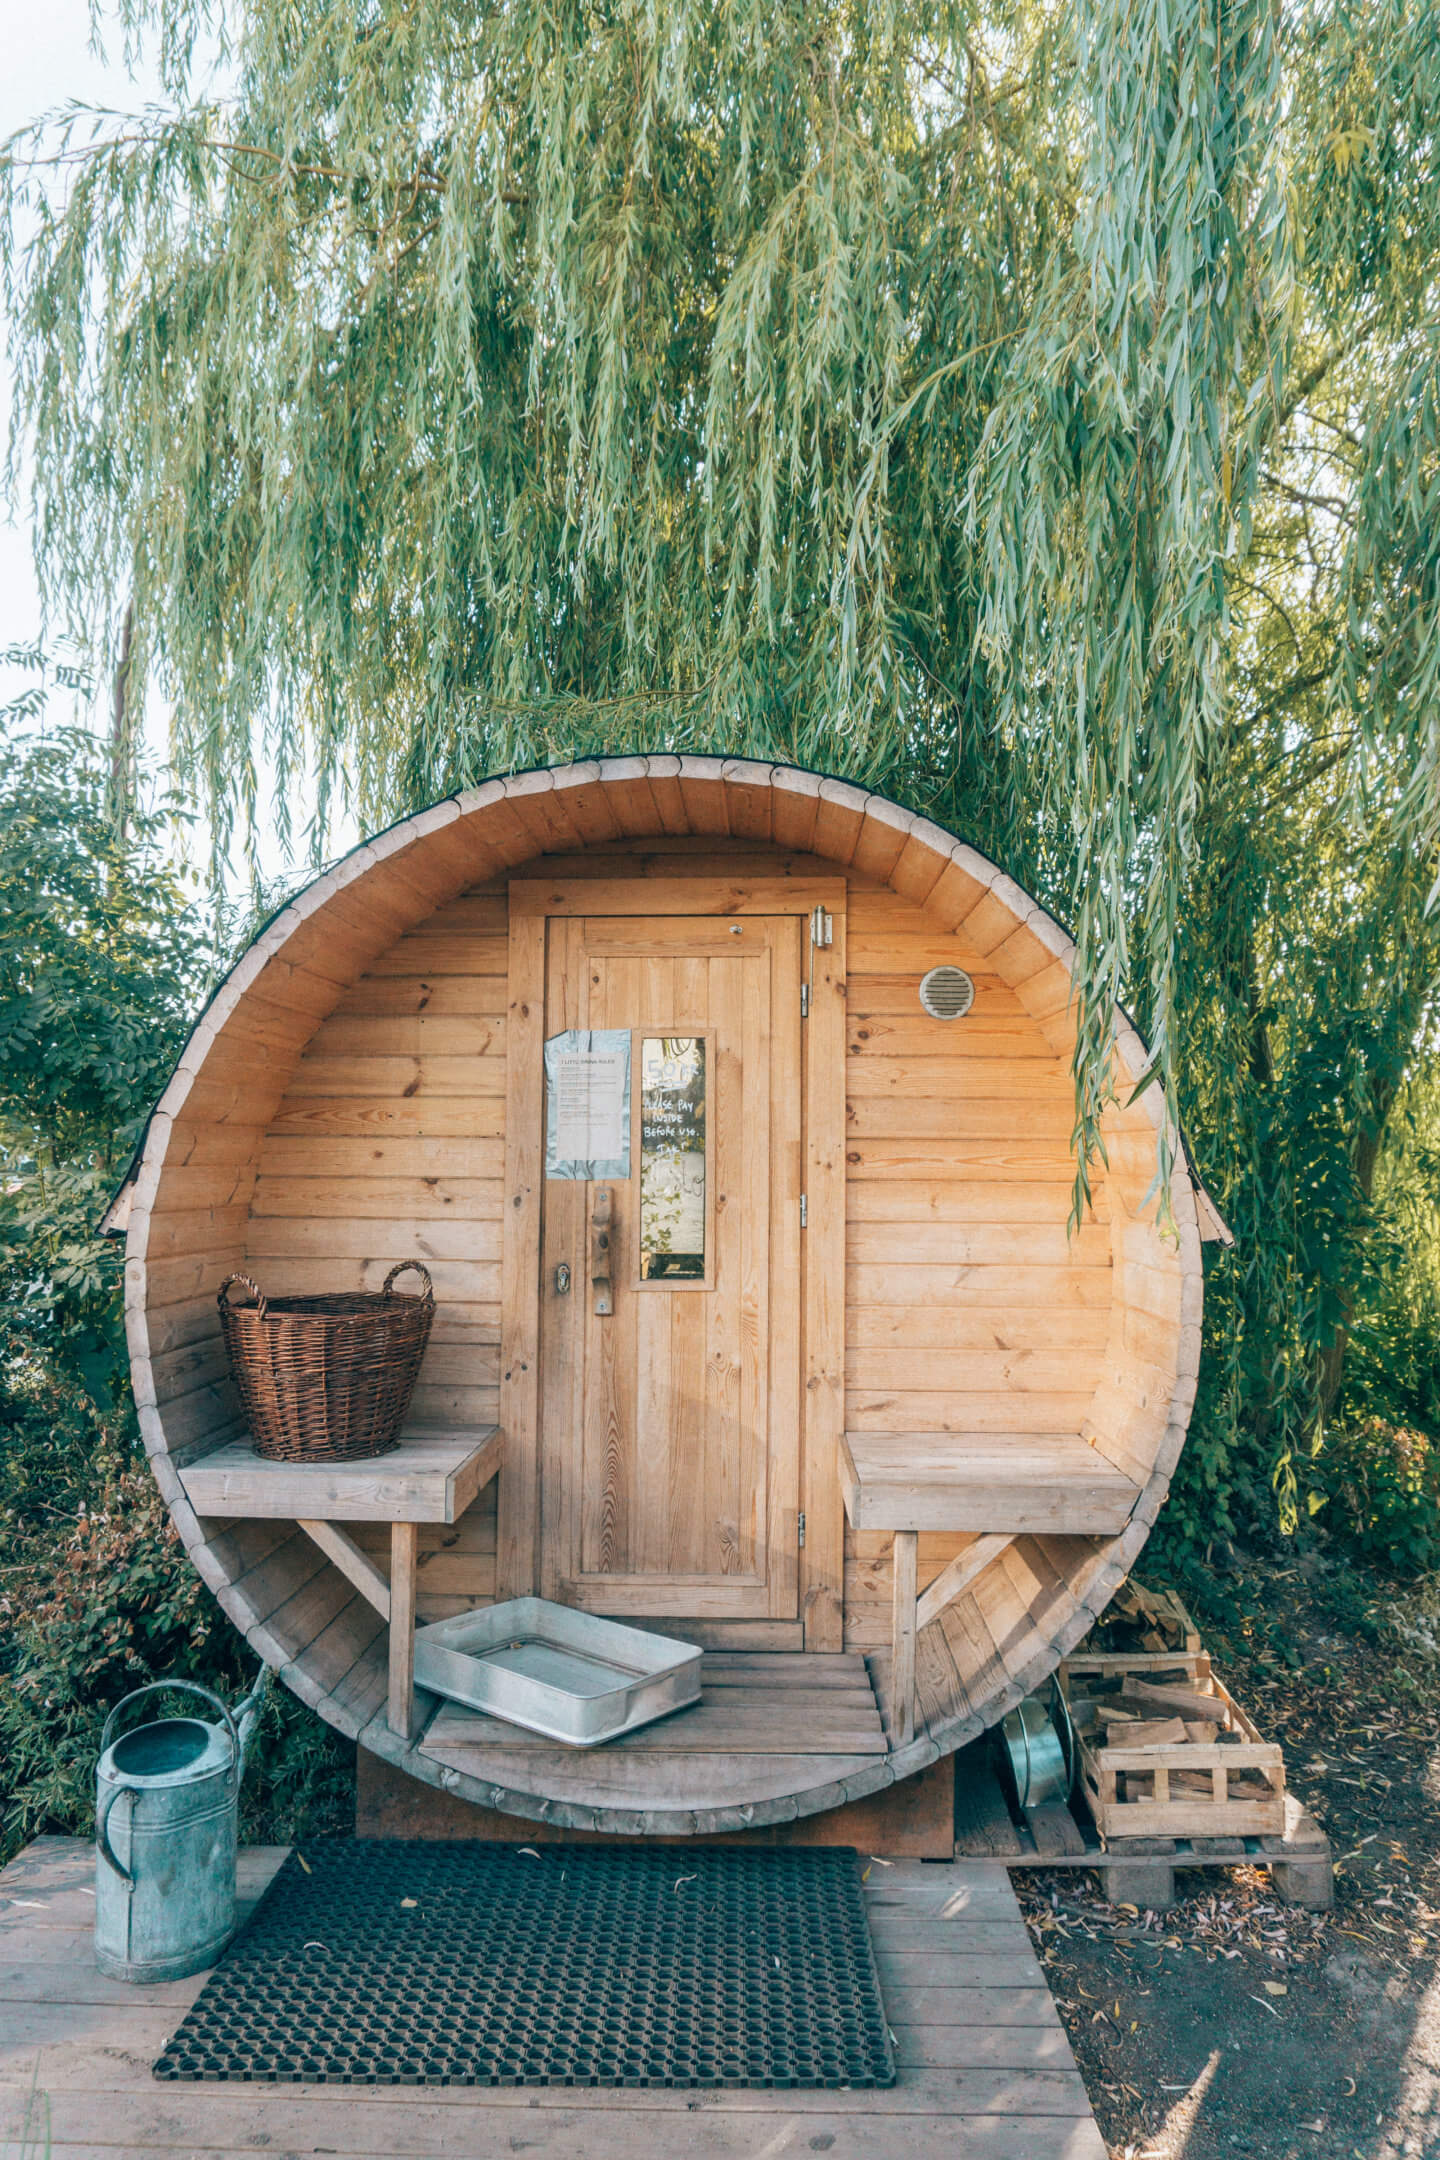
x=166 y=1830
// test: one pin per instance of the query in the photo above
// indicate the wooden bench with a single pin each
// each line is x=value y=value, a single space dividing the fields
x=997 y=1485
x=431 y=1477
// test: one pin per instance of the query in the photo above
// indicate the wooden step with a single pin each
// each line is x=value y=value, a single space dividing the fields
x=732 y=1717
x=763 y=1720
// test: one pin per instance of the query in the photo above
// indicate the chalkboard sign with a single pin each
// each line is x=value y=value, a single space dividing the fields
x=673 y=1168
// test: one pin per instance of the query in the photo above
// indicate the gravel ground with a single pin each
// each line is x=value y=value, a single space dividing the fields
x=1238 y=2025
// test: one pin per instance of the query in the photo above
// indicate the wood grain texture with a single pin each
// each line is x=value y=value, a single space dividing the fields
x=520 y=1289
x=982 y=1481
x=352 y=1563
x=377 y=1010
x=902 y=1637
x=744 y=1712
x=400 y=1700
x=429 y=1477
x=958 y=1574
x=670 y=1424
x=824 y=1252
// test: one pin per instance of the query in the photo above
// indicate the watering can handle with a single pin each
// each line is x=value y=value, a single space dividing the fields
x=102 y=1833
x=162 y=1687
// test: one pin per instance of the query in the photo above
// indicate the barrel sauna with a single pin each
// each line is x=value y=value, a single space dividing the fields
x=879 y=1431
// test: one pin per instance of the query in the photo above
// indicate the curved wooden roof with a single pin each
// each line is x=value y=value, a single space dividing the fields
x=186 y=1207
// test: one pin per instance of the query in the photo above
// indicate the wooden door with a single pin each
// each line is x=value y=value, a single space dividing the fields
x=669 y=1426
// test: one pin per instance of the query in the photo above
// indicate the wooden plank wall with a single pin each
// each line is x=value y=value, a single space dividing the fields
x=389 y=1145
x=189 y=1225
x=968 y=1307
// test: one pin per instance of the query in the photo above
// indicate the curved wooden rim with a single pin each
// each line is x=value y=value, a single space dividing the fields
x=488 y=830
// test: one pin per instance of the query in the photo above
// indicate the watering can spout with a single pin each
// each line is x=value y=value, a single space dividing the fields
x=245 y=1715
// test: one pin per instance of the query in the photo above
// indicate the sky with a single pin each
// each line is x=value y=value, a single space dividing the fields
x=47 y=59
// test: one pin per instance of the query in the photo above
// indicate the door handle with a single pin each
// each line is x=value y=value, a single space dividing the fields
x=600 y=1226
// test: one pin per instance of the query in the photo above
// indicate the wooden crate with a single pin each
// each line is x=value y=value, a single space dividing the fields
x=1167 y=1813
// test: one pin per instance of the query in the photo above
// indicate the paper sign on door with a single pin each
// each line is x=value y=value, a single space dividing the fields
x=587 y=1103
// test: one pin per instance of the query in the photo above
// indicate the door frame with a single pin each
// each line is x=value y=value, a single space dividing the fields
x=822 y=1245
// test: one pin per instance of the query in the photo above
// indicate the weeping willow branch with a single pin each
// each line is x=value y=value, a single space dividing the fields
x=919 y=393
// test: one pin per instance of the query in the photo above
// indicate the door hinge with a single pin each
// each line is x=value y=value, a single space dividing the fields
x=802 y=1528
x=822 y=933
x=804 y=1211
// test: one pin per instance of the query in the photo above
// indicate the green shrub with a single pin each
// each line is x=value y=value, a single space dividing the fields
x=103 y=960
x=97 y=1597
x=1383 y=1482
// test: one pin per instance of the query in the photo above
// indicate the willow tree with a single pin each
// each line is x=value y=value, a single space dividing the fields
x=1030 y=408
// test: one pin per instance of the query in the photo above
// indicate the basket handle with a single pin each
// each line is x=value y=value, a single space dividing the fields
x=261 y=1302
x=399 y=1269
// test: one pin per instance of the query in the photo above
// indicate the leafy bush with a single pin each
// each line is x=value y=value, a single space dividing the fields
x=1394 y=1363
x=99 y=1597
x=1384 y=1487
x=103 y=959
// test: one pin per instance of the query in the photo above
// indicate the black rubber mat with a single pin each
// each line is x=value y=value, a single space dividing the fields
x=378 y=1962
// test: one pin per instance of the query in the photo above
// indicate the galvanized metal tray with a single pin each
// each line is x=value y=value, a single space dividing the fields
x=569 y=1675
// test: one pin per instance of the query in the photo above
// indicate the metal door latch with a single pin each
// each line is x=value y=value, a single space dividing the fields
x=600 y=1225
x=562 y=1279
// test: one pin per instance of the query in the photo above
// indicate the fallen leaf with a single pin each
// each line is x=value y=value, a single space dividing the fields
x=1276 y=1987
x=304 y=1863
x=408 y=1904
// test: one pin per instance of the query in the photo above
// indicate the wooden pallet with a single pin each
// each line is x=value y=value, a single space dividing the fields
x=1135 y=1871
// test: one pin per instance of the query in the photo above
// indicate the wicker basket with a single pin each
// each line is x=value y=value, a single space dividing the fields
x=326 y=1379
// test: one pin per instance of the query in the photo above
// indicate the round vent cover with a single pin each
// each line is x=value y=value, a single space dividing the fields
x=947 y=993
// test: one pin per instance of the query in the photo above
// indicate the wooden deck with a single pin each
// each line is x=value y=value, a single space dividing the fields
x=986 y=2074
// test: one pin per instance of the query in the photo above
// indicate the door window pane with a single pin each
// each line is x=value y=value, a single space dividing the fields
x=673 y=1152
